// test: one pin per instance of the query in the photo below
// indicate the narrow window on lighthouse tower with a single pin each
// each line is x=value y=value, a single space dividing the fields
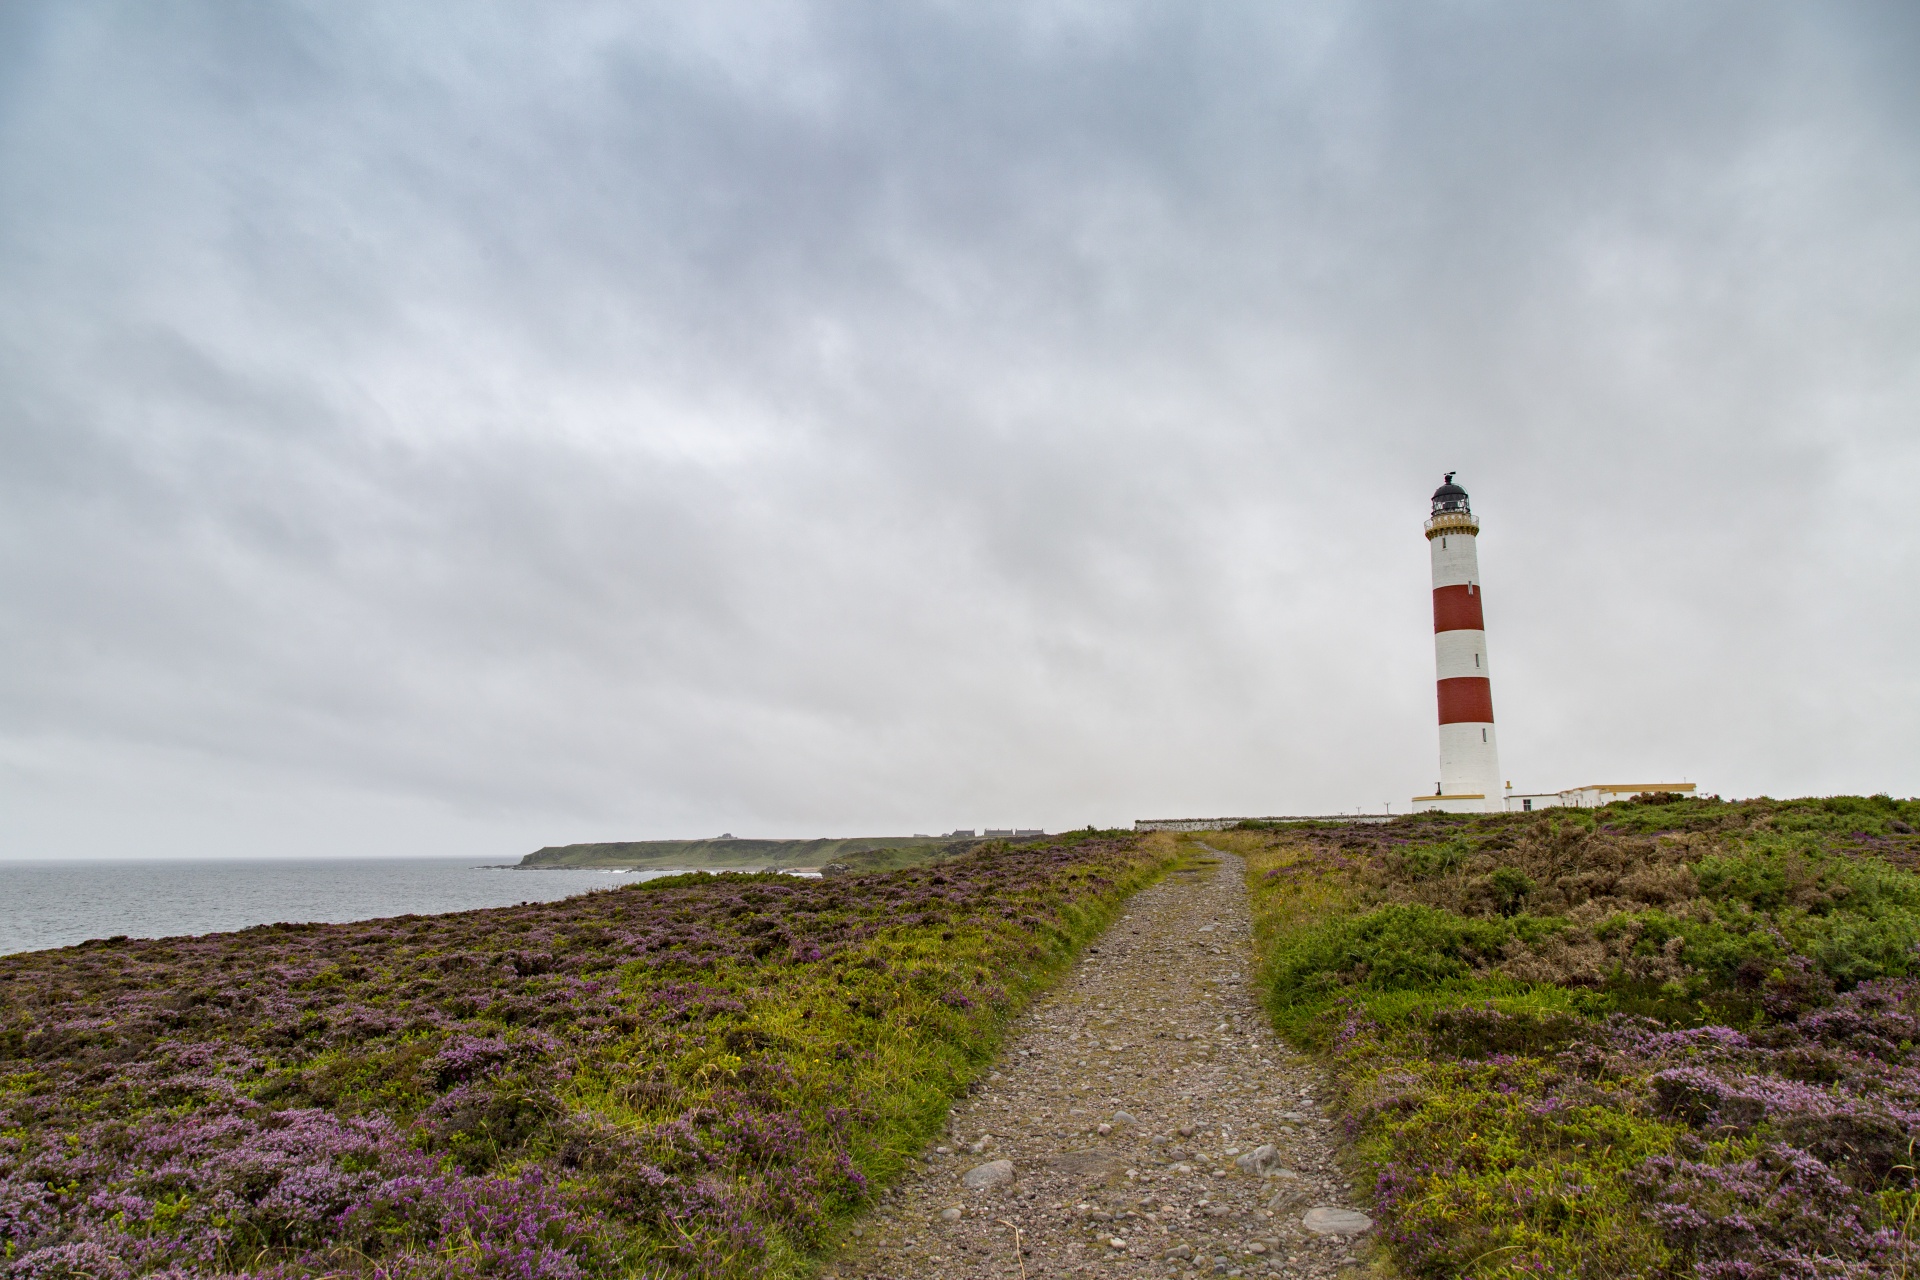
x=1483 y=735
x=1476 y=661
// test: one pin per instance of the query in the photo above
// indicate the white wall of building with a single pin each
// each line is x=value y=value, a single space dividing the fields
x=1590 y=797
x=1450 y=804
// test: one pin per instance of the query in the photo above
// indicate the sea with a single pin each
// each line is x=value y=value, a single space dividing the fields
x=57 y=904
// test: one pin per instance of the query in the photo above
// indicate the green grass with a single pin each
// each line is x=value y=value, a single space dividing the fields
x=1489 y=992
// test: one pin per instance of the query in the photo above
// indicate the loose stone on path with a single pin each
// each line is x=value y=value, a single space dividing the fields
x=992 y=1174
x=1144 y=1121
x=1336 y=1222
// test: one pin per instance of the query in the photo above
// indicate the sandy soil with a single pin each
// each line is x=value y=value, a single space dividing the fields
x=1156 y=1038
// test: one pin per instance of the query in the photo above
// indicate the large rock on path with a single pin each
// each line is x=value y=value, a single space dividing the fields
x=1336 y=1222
x=994 y=1173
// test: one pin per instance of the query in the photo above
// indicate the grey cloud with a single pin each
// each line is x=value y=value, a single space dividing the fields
x=483 y=425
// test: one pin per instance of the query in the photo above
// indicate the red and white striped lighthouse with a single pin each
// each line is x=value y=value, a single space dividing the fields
x=1469 y=753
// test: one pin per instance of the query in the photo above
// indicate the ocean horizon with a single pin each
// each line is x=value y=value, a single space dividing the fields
x=46 y=903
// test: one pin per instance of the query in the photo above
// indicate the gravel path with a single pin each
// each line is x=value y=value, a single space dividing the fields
x=1154 y=1124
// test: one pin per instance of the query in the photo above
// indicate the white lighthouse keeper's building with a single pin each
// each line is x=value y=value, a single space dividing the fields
x=1469 y=751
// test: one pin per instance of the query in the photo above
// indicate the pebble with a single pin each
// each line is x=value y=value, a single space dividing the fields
x=1259 y=1160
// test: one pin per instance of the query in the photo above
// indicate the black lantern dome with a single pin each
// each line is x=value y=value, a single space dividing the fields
x=1450 y=497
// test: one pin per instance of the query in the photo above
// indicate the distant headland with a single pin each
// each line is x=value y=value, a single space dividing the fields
x=861 y=853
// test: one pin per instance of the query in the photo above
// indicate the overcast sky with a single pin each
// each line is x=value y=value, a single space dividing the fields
x=462 y=429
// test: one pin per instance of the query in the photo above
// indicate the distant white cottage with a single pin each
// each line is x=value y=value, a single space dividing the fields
x=1591 y=797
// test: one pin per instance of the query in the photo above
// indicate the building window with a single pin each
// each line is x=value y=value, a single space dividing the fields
x=1476 y=662
x=1526 y=806
x=1483 y=735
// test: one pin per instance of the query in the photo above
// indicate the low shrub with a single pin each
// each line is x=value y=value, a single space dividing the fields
x=698 y=1076
x=1397 y=947
x=1662 y=1039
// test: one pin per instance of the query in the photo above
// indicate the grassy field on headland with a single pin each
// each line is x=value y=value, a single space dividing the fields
x=1668 y=1039
x=699 y=1076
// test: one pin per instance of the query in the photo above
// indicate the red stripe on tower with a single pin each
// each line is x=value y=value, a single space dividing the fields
x=1466 y=700
x=1457 y=608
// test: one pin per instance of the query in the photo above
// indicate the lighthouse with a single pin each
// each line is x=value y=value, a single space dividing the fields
x=1469 y=752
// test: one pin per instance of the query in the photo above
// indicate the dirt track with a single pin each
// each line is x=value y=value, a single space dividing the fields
x=1156 y=1035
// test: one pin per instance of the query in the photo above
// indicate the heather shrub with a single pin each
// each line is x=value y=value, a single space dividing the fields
x=1390 y=948
x=701 y=1076
x=1423 y=861
x=1508 y=888
x=1673 y=1038
x=1495 y=1028
x=1495 y=1171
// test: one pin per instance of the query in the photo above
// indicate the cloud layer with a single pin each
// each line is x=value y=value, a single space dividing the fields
x=462 y=429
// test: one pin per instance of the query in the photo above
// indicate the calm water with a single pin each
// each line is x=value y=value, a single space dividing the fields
x=46 y=904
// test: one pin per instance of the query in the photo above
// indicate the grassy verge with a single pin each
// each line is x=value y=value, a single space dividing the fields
x=704 y=1075
x=1649 y=1040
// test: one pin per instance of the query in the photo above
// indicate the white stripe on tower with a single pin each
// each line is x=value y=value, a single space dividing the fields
x=1469 y=752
